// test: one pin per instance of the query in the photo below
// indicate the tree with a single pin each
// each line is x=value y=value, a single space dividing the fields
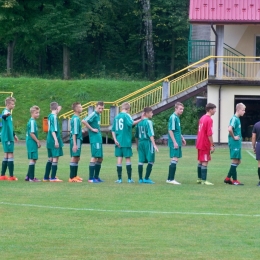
x=148 y=26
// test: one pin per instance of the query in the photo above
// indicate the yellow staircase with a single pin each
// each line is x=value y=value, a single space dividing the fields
x=152 y=94
x=178 y=86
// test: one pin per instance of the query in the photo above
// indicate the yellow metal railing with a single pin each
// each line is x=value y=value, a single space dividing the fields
x=232 y=69
x=105 y=117
x=189 y=79
x=228 y=67
x=147 y=99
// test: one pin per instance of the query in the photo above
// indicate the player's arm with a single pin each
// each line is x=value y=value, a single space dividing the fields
x=139 y=120
x=136 y=137
x=154 y=145
x=115 y=140
x=231 y=133
x=254 y=141
x=183 y=140
x=173 y=139
x=212 y=146
x=55 y=139
x=75 y=147
x=6 y=115
x=86 y=124
x=33 y=136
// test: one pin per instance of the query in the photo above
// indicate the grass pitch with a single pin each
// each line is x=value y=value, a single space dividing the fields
x=131 y=221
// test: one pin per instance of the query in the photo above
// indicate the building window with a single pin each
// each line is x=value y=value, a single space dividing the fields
x=257 y=47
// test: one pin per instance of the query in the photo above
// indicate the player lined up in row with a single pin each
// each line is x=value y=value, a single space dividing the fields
x=122 y=135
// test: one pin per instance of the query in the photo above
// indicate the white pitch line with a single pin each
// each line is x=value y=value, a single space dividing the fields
x=253 y=155
x=132 y=211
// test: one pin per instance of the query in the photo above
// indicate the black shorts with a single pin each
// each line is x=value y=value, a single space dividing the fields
x=257 y=151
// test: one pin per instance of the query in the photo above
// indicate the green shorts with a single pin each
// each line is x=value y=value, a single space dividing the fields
x=235 y=153
x=8 y=146
x=175 y=152
x=78 y=152
x=33 y=155
x=146 y=152
x=96 y=150
x=125 y=152
x=55 y=152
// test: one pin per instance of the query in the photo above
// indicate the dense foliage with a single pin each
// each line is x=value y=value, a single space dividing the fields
x=104 y=38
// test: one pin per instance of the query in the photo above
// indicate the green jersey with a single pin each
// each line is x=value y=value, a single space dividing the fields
x=31 y=128
x=75 y=127
x=236 y=126
x=174 y=125
x=122 y=127
x=53 y=126
x=7 y=134
x=94 y=121
x=144 y=130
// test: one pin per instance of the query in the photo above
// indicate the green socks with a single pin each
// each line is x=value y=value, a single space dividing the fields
x=47 y=170
x=91 y=170
x=129 y=170
x=73 y=170
x=10 y=166
x=199 y=170
x=232 y=171
x=97 y=169
x=119 y=171
x=172 y=170
x=4 y=166
x=204 y=173
x=148 y=170
x=140 y=171
x=54 y=168
x=31 y=171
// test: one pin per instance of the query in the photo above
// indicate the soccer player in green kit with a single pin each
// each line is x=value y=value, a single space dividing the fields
x=32 y=143
x=175 y=141
x=54 y=144
x=145 y=145
x=122 y=135
x=234 y=143
x=75 y=142
x=7 y=137
x=92 y=122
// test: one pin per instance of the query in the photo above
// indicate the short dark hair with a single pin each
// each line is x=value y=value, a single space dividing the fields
x=100 y=103
x=54 y=106
x=74 y=105
x=210 y=106
x=147 y=109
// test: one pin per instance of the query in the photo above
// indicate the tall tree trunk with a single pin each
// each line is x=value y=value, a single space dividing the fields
x=143 y=58
x=66 y=62
x=10 y=56
x=173 y=54
x=148 y=37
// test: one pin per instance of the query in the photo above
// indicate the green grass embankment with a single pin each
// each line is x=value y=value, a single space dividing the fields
x=36 y=91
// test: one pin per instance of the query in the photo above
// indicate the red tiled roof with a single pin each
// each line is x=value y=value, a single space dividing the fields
x=224 y=11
